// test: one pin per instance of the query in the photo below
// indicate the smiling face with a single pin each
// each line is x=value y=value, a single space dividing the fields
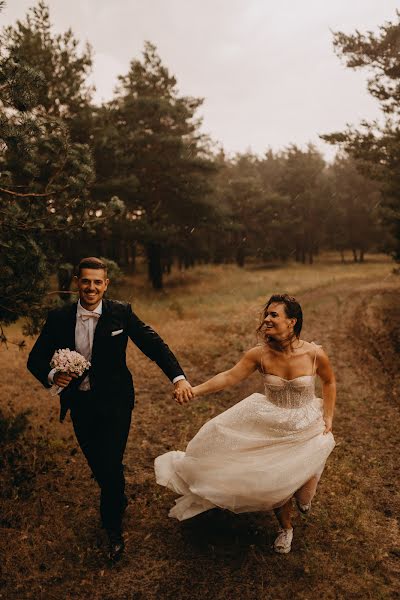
x=276 y=323
x=92 y=284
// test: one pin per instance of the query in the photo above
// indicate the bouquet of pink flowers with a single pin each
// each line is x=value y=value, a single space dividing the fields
x=68 y=361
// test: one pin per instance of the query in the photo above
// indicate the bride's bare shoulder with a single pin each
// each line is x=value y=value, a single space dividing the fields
x=254 y=352
x=311 y=347
x=314 y=349
x=257 y=353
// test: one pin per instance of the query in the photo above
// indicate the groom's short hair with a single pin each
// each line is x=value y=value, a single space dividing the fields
x=91 y=262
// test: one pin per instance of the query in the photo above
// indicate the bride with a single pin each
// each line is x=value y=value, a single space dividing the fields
x=270 y=447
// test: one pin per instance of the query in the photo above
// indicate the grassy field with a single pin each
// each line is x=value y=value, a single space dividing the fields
x=349 y=547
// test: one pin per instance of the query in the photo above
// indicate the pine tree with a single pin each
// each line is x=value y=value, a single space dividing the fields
x=45 y=175
x=155 y=159
x=376 y=148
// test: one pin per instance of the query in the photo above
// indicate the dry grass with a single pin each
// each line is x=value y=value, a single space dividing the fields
x=349 y=546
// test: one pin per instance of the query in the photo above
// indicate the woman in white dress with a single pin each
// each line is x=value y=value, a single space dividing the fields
x=270 y=447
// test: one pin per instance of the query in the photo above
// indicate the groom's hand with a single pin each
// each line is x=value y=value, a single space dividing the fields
x=183 y=391
x=63 y=379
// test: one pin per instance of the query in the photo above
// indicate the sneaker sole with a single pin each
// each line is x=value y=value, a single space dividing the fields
x=282 y=550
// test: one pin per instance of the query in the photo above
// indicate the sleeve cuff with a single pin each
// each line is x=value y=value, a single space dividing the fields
x=178 y=378
x=50 y=376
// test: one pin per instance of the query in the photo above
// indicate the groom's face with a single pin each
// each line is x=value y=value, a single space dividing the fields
x=92 y=283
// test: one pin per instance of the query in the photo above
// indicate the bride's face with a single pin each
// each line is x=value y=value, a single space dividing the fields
x=277 y=324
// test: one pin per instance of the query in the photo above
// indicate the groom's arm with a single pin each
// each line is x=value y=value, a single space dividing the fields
x=42 y=353
x=151 y=344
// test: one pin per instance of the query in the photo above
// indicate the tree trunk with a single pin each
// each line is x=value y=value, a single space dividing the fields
x=310 y=258
x=154 y=265
x=355 y=255
x=122 y=259
x=240 y=256
x=64 y=275
x=131 y=250
x=342 y=256
x=188 y=261
x=361 y=256
x=103 y=246
x=167 y=264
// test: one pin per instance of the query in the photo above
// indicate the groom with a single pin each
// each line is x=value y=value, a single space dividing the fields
x=101 y=400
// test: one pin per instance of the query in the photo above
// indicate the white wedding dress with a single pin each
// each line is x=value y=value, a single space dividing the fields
x=255 y=455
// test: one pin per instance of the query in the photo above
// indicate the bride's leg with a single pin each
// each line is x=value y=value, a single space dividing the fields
x=283 y=542
x=306 y=493
x=283 y=514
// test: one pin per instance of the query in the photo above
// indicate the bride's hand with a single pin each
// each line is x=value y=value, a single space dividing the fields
x=181 y=398
x=183 y=391
x=328 y=424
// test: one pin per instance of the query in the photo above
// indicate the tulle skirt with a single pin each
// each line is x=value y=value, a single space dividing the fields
x=249 y=458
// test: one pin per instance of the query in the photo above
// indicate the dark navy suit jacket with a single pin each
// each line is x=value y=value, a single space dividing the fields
x=110 y=378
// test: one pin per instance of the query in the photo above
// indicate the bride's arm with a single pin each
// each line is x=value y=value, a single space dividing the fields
x=245 y=367
x=325 y=372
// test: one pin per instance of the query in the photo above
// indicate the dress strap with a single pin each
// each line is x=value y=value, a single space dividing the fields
x=261 y=361
x=315 y=358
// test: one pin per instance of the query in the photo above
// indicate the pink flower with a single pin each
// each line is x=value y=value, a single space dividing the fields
x=69 y=361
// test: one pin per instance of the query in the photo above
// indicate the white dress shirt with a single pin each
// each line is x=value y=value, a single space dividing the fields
x=86 y=323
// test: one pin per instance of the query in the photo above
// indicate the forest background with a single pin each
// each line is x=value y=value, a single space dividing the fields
x=197 y=238
x=136 y=178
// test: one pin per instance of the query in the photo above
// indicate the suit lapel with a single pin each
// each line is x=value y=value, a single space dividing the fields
x=102 y=324
x=70 y=326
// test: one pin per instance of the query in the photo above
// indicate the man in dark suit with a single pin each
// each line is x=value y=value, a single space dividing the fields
x=101 y=400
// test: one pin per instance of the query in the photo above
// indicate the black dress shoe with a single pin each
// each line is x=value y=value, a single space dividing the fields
x=116 y=545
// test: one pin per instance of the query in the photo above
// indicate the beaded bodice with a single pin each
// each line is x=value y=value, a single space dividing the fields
x=295 y=404
x=289 y=393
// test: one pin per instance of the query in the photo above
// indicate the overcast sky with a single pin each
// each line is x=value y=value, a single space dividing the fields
x=266 y=69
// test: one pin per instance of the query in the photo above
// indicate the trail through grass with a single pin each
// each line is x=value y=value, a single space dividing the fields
x=348 y=548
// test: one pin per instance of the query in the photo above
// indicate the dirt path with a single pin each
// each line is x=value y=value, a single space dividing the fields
x=348 y=548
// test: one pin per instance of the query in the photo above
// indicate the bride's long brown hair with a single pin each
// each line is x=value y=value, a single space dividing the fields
x=292 y=311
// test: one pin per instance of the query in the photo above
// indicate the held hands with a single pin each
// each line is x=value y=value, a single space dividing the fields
x=63 y=379
x=183 y=392
x=328 y=424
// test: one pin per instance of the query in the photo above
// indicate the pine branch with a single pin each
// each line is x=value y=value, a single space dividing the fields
x=29 y=195
x=60 y=292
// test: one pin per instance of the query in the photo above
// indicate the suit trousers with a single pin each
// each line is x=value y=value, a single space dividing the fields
x=102 y=432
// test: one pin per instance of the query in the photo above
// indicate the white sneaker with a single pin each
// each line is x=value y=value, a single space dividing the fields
x=283 y=542
x=303 y=508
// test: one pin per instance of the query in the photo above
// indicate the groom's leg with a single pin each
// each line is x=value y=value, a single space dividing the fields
x=110 y=472
x=102 y=436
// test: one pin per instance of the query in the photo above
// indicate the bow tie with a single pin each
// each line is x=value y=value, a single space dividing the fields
x=87 y=315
